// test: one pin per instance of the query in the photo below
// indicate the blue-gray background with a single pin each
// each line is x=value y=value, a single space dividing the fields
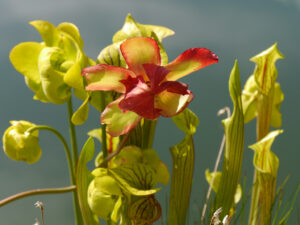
x=232 y=29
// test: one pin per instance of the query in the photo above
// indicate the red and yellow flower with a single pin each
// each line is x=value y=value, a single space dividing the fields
x=148 y=89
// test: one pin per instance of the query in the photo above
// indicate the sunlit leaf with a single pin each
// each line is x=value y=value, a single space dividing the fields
x=187 y=121
x=181 y=181
x=216 y=184
x=234 y=139
x=265 y=71
x=83 y=178
x=249 y=99
x=266 y=164
x=81 y=114
x=276 y=120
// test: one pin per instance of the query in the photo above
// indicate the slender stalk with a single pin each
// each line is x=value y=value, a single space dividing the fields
x=113 y=154
x=73 y=139
x=37 y=192
x=72 y=133
x=222 y=111
x=66 y=147
x=103 y=128
x=150 y=134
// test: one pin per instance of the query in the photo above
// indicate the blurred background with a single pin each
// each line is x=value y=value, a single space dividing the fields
x=232 y=29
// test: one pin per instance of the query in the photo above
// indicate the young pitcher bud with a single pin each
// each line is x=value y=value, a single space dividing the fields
x=103 y=193
x=21 y=145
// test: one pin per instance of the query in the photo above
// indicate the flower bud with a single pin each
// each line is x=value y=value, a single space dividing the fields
x=21 y=145
x=103 y=193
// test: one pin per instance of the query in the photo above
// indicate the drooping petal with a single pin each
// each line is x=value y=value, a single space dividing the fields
x=141 y=101
x=117 y=121
x=106 y=78
x=138 y=51
x=171 y=104
x=174 y=87
x=155 y=73
x=189 y=61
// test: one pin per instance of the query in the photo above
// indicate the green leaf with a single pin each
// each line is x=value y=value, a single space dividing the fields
x=266 y=164
x=265 y=71
x=47 y=30
x=187 y=121
x=81 y=114
x=24 y=58
x=137 y=179
x=234 y=139
x=182 y=179
x=264 y=159
x=276 y=120
x=249 y=99
x=216 y=183
x=83 y=178
x=183 y=167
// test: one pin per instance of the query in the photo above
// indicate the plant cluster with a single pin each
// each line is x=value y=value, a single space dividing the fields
x=132 y=84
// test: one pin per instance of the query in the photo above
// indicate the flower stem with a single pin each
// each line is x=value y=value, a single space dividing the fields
x=72 y=133
x=66 y=147
x=73 y=139
x=37 y=192
x=148 y=133
x=103 y=128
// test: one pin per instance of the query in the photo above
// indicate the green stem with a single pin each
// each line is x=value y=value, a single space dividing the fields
x=37 y=192
x=103 y=128
x=148 y=133
x=263 y=123
x=66 y=147
x=72 y=131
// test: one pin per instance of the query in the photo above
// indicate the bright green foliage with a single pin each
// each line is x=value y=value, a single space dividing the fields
x=21 y=145
x=111 y=55
x=117 y=192
x=216 y=183
x=83 y=179
x=262 y=84
x=183 y=168
x=53 y=67
x=265 y=72
x=266 y=164
x=80 y=116
x=234 y=148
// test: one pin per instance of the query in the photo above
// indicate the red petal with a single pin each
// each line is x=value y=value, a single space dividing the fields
x=156 y=74
x=141 y=101
x=106 y=78
x=138 y=51
x=174 y=87
x=189 y=61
